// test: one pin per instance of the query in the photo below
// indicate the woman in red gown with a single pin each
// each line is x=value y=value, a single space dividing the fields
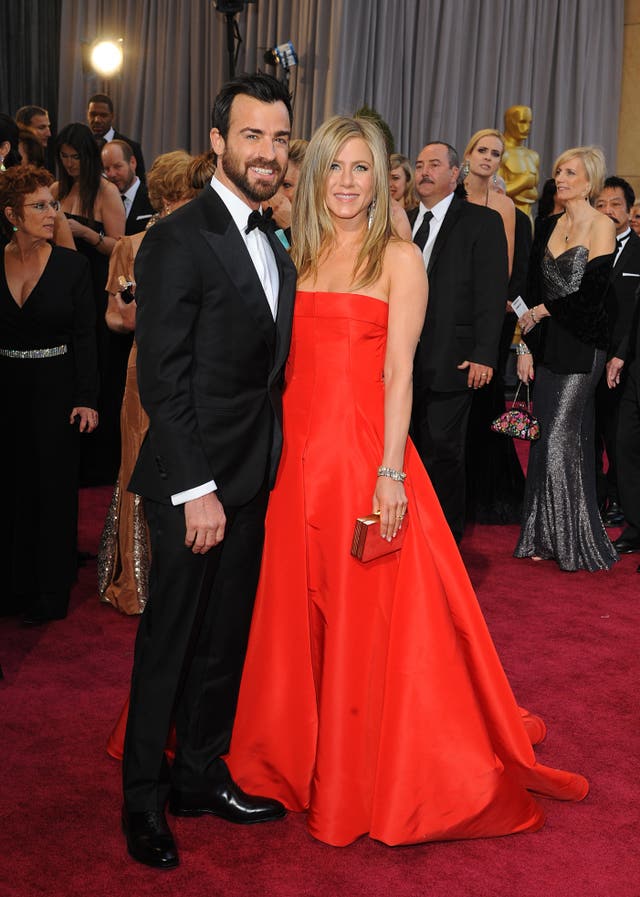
x=372 y=695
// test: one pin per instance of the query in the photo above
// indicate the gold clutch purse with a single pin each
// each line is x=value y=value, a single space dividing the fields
x=368 y=544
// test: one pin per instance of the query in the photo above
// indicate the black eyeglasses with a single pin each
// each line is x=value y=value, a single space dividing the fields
x=41 y=206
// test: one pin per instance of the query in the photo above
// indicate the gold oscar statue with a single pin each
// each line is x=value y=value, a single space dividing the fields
x=520 y=165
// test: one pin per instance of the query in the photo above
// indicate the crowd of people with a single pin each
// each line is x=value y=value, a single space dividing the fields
x=167 y=355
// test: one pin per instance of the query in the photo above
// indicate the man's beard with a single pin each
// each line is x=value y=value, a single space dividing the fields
x=238 y=174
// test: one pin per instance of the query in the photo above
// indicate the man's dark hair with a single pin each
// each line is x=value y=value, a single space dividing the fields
x=101 y=98
x=452 y=152
x=629 y=195
x=25 y=114
x=371 y=114
x=261 y=87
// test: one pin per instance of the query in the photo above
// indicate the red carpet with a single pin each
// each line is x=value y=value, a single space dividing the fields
x=570 y=643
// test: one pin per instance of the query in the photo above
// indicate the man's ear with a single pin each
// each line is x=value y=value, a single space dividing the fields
x=217 y=141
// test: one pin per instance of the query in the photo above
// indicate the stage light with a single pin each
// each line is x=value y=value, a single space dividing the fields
x=232 y=7
x=106 y=57
x=283 y=55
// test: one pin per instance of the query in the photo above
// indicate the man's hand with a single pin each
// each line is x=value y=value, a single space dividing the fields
x=479 y=374
x=614 y=369
x=205 y=522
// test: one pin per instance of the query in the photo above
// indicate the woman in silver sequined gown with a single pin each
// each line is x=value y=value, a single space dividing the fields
x=567 y=330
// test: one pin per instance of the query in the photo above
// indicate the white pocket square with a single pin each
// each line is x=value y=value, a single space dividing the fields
x=142 y=217
x=629 y=274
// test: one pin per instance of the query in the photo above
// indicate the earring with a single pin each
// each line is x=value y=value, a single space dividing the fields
x=466 y=168
x=372 y=211
x=14 y=229
x=495 y=178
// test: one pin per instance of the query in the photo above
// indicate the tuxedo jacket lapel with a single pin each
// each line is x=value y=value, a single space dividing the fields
x=287 y=276
x=445 y=229
x=627 y=252
x=225 y=240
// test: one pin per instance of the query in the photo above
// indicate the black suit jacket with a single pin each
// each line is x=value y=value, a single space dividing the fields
x=620 y=301
x=137 y=152
x=140 y=212
x=468 y=278
x=210 y=357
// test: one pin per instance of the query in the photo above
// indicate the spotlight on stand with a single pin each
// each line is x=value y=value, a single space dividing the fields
x=283 y=55
x=229 y=9
x=103 y=57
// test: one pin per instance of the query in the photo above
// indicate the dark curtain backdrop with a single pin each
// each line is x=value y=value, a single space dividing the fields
x=29 y=54
x=431 y=67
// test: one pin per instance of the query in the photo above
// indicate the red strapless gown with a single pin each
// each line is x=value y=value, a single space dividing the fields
x=372 y=695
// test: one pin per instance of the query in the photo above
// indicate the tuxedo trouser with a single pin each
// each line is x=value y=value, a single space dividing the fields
x=628 y=452
x=189 y=652
x=439 y=429
x=607 y=405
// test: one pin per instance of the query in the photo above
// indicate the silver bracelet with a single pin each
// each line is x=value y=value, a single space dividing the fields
x=533 y=316
x=521 y=349
x=398 y=475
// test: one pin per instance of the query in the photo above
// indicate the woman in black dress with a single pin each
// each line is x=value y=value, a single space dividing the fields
x=566 y=326
x=96 y=216
x=48 y=380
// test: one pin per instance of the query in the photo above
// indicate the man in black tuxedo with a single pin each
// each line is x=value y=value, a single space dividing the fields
x=628 y=434
x=100 y=119
x=120 y=165
x=465 y=252
x=615 y=201
x=215 y=292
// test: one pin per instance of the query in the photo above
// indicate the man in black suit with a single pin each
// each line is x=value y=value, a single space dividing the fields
x=100 y=118
x=215 y=292
x=465 y=252
x=615 y=201
x=120 y=165
x=628 y=434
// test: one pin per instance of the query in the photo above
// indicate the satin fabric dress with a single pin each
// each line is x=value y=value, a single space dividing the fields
x=372 y=695
x=124 y=555
x=561 y=519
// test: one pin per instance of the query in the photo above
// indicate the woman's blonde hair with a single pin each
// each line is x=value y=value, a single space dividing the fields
x=397 y=160
x=297 y=150
x=480 y=135
x=311 y=224
x=594 y=163
x=170 y=179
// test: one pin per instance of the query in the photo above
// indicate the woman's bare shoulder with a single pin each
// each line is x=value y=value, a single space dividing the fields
x=501 y=203
x=399 y=252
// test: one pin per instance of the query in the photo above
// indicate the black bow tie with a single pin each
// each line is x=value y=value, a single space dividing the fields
x=260 y=220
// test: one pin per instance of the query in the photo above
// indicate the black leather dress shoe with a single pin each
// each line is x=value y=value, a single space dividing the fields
x=614 y=515
x=149 y=839
x=229 y=801
x=626 y=544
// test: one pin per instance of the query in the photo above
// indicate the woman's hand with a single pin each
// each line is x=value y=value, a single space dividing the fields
x=532 y=317
x=81 y=231
x=87 y=418
x=127 y=313
x=390 y=500
x=524 y=367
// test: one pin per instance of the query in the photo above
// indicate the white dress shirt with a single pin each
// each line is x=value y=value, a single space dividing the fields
x=438 y=211
x=267 y=270
x=621 y=241
x=129 y=195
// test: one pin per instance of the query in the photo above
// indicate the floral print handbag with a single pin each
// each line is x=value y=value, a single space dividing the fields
x=519 y=421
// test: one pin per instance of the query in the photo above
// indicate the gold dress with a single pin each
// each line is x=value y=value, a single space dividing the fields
x=124 y=553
